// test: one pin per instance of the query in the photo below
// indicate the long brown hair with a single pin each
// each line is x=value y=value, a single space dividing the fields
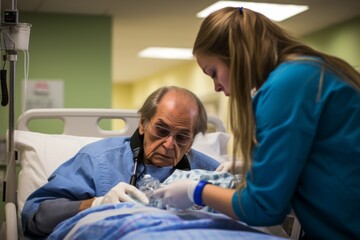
x=253 y=46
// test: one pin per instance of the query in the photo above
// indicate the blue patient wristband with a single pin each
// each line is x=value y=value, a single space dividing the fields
x=198 y=192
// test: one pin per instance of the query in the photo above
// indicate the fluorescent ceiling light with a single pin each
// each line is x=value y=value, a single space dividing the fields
x=276 y=12
x=166 y=53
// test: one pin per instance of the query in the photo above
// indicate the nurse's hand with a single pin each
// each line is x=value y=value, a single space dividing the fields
x=226 y=166
x=122 y=192
x=179 y=194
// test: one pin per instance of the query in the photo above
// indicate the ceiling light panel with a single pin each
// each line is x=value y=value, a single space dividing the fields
x=166 y=53
x=274 y=11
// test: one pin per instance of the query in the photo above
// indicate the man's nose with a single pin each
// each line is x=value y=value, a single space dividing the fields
x=169 y=142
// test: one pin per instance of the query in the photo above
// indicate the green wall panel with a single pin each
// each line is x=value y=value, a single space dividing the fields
x=72 y=48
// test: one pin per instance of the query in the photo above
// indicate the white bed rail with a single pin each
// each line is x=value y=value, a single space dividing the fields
x=83 y=122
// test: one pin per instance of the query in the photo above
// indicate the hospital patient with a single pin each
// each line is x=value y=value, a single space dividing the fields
x=100 y=172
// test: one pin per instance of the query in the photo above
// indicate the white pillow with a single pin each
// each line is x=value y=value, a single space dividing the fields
x=212 y=144
x=40 y=154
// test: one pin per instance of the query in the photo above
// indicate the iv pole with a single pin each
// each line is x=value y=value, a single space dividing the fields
x=10 y=179
x=11 y=169
x=14 y=37
x=12 y=33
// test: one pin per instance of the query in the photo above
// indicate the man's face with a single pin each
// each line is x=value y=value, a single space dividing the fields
x=175 y=119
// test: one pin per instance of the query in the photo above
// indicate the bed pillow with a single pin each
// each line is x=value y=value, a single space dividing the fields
x=212 y=144
x=40 y=154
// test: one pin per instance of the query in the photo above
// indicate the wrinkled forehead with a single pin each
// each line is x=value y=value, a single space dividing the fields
x=177 y=109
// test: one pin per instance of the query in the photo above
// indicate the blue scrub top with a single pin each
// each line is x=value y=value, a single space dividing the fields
x=308 y=153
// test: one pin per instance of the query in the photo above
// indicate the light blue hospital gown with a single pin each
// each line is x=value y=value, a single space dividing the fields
x=98 y=167
x=308 y=153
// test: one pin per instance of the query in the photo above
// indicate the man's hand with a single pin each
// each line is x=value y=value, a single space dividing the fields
x=122 y=192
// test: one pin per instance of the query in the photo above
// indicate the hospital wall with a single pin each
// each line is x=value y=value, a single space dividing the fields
x=341 y=40
x=187 y=75
x=75 y=49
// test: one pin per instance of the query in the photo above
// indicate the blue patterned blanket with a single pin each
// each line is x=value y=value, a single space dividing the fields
x=130 y=221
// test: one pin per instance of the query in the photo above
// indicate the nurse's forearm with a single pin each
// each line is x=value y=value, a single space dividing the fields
x=219 y=199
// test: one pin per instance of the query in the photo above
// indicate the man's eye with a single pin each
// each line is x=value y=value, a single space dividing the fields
x=181 y=137
x=161 y=131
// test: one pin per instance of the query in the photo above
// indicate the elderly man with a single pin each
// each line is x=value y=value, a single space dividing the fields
x=105 y=171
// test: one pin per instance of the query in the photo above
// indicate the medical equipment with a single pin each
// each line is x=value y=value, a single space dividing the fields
x=135 y=144
x=147 y=185
x=14 y=37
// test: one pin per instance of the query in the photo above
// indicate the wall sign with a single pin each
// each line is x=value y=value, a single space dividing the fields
x=43 y=94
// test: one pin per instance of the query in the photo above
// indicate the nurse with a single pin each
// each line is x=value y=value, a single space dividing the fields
x=295 y=116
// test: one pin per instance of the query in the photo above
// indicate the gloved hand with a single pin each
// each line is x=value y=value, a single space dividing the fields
x=179 y=194
x=227 y=165
x=121 y=193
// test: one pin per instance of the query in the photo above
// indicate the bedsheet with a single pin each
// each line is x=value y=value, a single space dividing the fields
x=131 y=221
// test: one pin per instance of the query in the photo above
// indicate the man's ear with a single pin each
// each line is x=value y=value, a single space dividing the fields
x=141 y=127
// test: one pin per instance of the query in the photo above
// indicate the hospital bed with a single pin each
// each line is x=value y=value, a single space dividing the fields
x=39 y=154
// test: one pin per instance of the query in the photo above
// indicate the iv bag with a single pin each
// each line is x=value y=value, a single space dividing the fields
x=15 y=36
